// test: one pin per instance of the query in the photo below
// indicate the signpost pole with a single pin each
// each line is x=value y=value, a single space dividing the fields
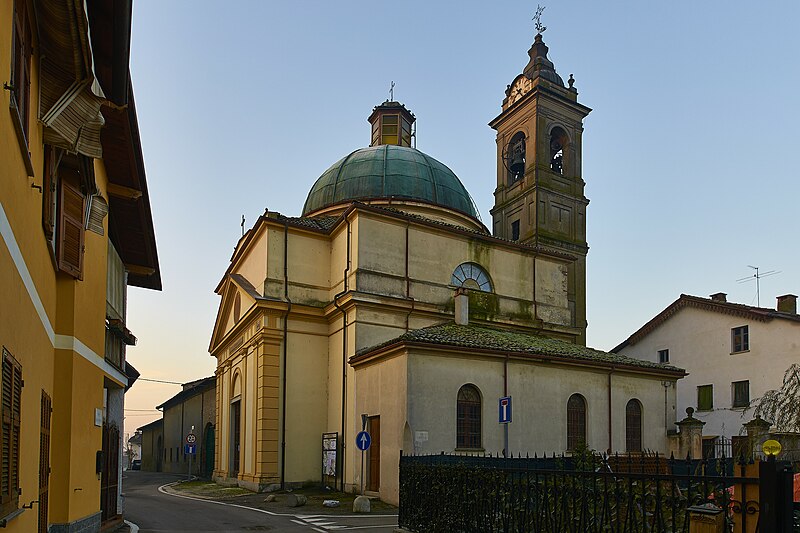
x=504 y=417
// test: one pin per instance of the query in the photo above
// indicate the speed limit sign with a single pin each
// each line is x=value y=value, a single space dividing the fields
x=191 y=438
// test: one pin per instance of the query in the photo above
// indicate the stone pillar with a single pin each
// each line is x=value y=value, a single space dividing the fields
x=757 y=432
x=691 y=435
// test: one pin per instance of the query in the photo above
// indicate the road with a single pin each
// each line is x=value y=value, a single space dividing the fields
x=155 y=512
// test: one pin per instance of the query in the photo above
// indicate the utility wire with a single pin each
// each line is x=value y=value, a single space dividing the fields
x=160 y=381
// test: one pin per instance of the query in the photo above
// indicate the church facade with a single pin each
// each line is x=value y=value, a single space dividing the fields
x=389 y=306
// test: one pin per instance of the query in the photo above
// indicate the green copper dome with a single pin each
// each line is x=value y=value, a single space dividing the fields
x=388 y=171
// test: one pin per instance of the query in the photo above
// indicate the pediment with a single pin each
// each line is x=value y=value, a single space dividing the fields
x=238 y=297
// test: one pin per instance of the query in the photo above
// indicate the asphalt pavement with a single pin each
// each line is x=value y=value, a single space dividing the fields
x=151 y=510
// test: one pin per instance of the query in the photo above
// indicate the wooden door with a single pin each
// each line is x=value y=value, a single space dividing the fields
x=374 y=478
x=208 y=451
x=236 y=410
x=109 y=478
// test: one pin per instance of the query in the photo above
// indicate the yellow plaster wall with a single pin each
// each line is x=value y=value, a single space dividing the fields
x=253 y=265
x=307 y=400
x=434 y=253
x=381 y=390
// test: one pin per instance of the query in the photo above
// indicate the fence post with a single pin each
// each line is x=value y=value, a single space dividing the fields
x=691 y=435
x=775 y=496
x=757 y=431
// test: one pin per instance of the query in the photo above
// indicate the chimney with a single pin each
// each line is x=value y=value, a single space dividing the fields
x=462 y=307
x=787 y=303
x=719 y=297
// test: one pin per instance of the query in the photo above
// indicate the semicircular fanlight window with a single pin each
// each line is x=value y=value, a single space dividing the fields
x=471 y=276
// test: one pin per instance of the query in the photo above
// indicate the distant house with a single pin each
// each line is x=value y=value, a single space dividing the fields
x=192 y=407
x=152 y=445
x=133 y=450
x=733 y=353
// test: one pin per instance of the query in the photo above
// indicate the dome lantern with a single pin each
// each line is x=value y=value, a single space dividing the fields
x=391 y=124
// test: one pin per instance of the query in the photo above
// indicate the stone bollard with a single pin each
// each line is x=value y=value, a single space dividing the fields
x=706 y=518
x=295 y=500
x=361 y=504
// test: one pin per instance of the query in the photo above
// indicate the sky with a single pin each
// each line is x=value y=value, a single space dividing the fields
x=690 y=155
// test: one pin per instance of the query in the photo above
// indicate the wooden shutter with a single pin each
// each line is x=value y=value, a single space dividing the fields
x=22 y=59
x=468 y=418
x=11 y=406
x=44 y=461
x=70 y=231
x=633 y=426
x=49 y=189
x=576 y=421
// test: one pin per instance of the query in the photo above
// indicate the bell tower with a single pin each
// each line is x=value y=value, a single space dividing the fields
x=539 y=198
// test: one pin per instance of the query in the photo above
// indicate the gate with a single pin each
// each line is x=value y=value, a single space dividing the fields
x=109 y=478
x=585 y=494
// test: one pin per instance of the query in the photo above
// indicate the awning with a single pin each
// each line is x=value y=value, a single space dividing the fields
x=70 y=96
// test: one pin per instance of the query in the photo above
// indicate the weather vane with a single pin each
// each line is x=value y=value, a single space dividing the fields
x=391 y=92
x=538 y=18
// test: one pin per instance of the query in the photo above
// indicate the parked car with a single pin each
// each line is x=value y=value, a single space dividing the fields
x=136 y=464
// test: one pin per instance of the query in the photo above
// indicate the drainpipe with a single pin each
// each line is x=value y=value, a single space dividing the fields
x=609 y=411
x=285 y=343
x=344 y=349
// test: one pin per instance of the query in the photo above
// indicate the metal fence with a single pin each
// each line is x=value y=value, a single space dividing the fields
x=584 y=494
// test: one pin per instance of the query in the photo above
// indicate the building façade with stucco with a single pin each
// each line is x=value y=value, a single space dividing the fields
x=733 y=354
x=388 y=305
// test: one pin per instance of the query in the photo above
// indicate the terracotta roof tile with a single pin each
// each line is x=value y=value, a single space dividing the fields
x=484 y=338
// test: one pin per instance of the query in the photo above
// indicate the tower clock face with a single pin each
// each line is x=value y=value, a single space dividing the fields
x=519 y=88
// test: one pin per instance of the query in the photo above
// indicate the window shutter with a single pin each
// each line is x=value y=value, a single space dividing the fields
x=48 y=190
x=21 y=72
x=71 y=232
x=633 y=426
x=44 y=461
x=5 y=483
x=11 y=399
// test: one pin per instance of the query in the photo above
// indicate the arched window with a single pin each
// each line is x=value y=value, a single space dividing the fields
x=468 y=418
x=558 y=143
x=237 y=307
x=471 y=276
x=576 y=421
x=633 y=426
x=515 y=157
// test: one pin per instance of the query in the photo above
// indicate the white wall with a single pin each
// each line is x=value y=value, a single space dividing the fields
x=700 y=342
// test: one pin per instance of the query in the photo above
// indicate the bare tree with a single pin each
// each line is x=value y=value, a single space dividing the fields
x=782 y=406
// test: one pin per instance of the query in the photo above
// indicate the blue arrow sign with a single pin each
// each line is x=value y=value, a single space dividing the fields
x=363 y=440
x=504 y=415
x=190 y=449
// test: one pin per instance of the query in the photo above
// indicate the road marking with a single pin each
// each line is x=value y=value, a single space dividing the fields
x=312 y=521
x=299 y=522
x=134 y=527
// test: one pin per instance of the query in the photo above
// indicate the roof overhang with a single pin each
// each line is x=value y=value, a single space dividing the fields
x=404 y=346
x=130 y=219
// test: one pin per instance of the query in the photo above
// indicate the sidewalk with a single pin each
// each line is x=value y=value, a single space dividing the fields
x=315 y=496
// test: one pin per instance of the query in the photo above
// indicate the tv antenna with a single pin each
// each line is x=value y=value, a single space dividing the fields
x=757 y=276
x=242 y=224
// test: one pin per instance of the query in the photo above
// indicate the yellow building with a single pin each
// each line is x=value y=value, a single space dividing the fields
x=75 y=230
x=389 y=306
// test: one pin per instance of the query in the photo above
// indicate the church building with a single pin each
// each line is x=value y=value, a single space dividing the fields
x=389 y=306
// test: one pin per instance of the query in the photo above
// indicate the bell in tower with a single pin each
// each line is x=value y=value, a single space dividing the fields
x=539 y=199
